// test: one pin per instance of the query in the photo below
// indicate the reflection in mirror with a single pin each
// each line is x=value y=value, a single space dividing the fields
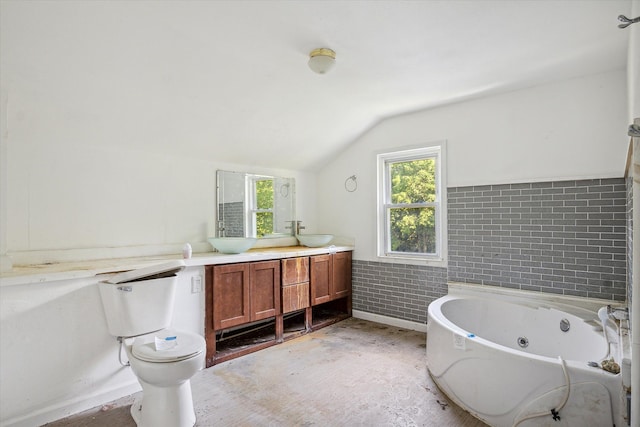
x=251 y=205
x=231 y=195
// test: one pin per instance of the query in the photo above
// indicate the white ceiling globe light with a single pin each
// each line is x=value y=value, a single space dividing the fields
x=321 y=60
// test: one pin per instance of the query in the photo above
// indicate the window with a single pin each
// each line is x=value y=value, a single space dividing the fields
x=412 y=205
x=260 y=205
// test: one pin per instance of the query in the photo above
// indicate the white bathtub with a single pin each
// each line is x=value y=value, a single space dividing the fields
x=474 y=356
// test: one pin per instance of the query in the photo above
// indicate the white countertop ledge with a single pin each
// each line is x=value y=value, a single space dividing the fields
x=51 y=272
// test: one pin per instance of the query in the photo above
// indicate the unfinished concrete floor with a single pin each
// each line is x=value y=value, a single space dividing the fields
x=352 y=373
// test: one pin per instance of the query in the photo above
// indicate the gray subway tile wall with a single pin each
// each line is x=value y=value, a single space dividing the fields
x=562 y=237
x=397 y=290
x=629 y=182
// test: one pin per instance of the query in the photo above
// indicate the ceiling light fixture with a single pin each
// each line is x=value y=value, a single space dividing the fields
x=321 y=60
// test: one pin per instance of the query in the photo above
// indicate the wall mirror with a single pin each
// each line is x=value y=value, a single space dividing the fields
x=252 y=205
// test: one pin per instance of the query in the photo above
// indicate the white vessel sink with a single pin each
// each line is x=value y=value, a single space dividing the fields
x=232 y=245
x=314 y=240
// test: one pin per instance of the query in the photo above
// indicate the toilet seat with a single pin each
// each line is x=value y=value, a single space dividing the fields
x=189 y=345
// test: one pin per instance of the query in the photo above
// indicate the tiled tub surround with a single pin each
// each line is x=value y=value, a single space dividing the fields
x=564 y=237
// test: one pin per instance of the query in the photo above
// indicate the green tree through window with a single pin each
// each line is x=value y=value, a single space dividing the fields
x=264 y=211
x=412 y=223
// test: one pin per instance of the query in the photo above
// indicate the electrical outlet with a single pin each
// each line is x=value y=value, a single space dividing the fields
x=196 y=284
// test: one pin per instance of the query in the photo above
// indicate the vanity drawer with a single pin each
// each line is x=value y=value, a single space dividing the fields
x=295 y=297
x=295 y=270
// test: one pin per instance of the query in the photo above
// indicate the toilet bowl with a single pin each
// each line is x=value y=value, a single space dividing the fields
x=166 y=399
x=138 y=307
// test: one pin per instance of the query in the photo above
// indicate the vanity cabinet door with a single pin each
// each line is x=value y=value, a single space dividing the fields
x=230 y=295
x=330 y=277
x=321 y=267
x=264 y=289
x=341 y=275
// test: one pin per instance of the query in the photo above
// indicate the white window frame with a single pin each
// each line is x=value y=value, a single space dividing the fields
x=437 y=151
x=251 y=203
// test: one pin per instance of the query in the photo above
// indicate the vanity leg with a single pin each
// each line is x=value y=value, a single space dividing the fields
x=308 y=321
x=279 y=328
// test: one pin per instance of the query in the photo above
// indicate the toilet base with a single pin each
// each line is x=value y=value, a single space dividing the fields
x=164 y=406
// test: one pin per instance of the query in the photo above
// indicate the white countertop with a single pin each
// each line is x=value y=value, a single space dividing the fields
x=41 y=273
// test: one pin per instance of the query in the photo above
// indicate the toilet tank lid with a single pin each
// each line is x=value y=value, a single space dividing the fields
x=155 y=271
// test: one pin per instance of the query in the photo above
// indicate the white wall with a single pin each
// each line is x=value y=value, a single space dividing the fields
x=633 y=65
x=92 y=141
x=564 y=130
x=70 y=196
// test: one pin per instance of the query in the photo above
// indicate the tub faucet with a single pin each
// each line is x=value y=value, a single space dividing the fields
x=605 y=317
x=618 y=313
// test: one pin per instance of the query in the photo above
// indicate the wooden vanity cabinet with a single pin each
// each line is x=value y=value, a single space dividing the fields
x=239 y=294
x=330 y=277
x=296 y=307
x=330 y=281
x=254 y=305
x=244 y=293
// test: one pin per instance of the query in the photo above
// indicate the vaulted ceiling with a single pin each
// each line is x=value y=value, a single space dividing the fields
x=228 y=80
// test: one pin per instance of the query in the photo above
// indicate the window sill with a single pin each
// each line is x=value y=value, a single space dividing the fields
x=399 y=259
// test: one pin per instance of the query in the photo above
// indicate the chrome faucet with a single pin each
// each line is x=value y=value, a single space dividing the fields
x=291 y=227
x=295 y=227
x=611 y=314
x=299 y=227
x=618 y=313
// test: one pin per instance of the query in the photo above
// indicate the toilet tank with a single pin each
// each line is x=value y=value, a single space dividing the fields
x=140 y=301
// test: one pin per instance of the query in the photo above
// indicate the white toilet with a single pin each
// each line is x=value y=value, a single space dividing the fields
x=138 y=306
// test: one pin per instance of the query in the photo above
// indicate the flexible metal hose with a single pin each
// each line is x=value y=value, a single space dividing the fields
x=121 y=341
x=555 y=410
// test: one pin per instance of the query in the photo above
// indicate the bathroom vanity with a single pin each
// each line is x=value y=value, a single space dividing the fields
x=261 y=298
x=254 y=305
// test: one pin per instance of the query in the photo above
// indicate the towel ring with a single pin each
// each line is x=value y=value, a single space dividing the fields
x=350 y=184
x=284 y=190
